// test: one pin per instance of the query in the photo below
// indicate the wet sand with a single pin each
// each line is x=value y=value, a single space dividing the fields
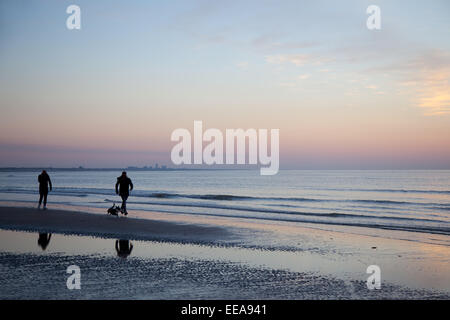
x=194 y=259
x=81 y=223
x=115 y=278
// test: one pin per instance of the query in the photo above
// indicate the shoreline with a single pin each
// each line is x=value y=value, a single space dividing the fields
x=327 y=253
x=107 y=226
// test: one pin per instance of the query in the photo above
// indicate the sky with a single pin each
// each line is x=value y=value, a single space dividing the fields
x=111 y=93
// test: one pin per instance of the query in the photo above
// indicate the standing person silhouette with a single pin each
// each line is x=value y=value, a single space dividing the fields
x=44 y=182
x=123 y=188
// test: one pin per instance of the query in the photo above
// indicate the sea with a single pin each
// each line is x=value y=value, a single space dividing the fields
x=403 y=200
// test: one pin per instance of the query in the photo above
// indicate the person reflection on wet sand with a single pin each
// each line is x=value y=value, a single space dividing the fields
x=44 y=240
x=123 y=248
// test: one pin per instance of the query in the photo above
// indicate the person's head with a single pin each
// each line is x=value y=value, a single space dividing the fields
x=124 y=174
x=44 y=172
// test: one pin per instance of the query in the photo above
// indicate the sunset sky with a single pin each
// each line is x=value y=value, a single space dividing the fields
x=110 y=94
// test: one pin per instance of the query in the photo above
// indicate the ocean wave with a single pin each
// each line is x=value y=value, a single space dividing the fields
x=160 y=195
x=408 y=228
x=85 y=192
x=284 y=212
x=220 y=197
x=389 y=190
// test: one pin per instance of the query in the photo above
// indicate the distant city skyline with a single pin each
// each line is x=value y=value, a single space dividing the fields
x=111 y=93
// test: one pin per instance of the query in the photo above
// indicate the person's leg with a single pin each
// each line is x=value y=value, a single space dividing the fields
x=45 y=199
x=41 y=195
x=124 y=202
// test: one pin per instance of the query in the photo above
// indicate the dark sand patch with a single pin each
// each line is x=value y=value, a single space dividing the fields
x=81 y=223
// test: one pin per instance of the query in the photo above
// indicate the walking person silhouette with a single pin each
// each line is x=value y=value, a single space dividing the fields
x=123 y=188
x=44 y=182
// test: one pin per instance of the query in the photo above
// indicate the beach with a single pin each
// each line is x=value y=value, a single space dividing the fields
x=229 y=234
x=81 y=223
x=191 y=258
